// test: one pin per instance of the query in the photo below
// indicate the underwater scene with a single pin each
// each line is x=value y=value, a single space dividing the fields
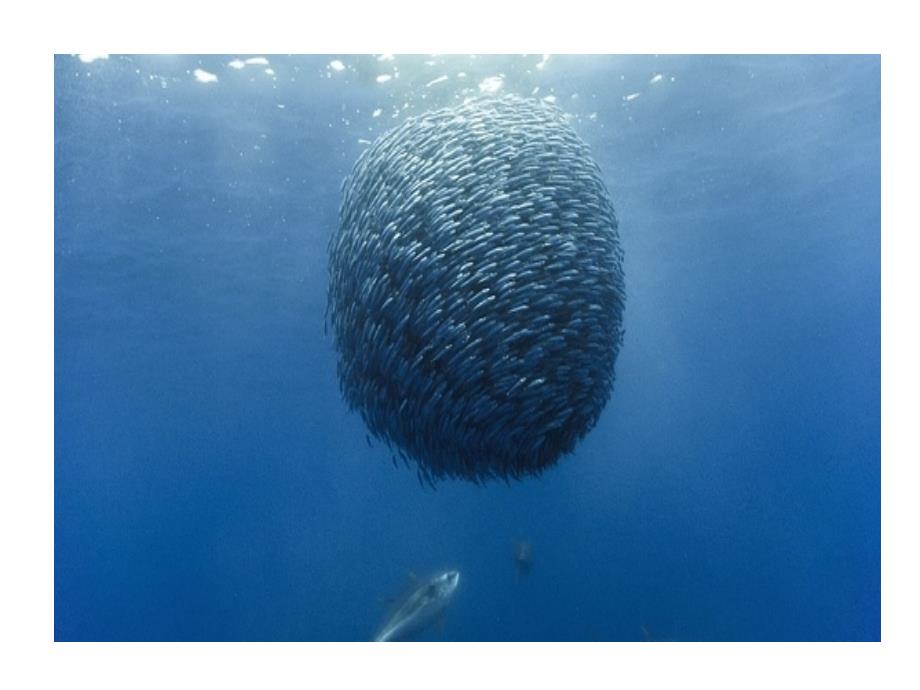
x=467 y=348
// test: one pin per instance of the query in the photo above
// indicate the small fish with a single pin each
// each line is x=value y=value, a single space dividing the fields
x=476 y=289
x=523 y=557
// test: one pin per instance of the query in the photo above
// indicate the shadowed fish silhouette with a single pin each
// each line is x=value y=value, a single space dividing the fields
x=523 y=557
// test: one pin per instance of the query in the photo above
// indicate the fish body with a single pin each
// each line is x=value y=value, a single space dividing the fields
x=523 y=557
x=423 y=605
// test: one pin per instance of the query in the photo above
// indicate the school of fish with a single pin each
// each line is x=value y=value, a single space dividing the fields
x=476 y=289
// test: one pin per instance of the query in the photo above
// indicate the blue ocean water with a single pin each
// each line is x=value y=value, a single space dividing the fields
x=210 y=483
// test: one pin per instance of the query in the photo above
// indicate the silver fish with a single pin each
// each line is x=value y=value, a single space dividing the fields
x=423 y=606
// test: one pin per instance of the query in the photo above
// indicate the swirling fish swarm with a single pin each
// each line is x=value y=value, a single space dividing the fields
x=476 y=289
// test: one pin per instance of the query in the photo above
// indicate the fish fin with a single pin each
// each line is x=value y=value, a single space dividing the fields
x=412 y=576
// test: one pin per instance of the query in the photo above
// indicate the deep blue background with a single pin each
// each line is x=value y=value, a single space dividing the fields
x=211 y=485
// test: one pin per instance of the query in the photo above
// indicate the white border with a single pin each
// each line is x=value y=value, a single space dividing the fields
x=33 y=32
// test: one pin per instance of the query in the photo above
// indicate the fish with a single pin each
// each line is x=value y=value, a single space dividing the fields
x=523 y=557
x=424 y=604
x=476 y=263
